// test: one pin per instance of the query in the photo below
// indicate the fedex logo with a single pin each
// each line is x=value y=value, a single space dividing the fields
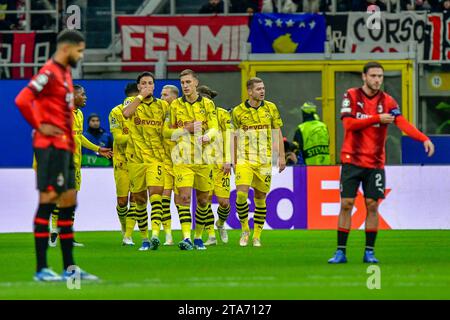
x=324 y=200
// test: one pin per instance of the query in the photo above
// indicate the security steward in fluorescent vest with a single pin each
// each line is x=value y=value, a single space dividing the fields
x=312 y=138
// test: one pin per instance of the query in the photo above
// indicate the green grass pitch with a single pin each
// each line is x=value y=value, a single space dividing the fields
x=291 y=264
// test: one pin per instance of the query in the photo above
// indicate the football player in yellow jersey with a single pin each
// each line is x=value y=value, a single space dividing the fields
x=145 y=156
x=168 y=94
x=256 y=122
x=119 y=129
x=221 y=172
x=80 y=141
x=195 y=120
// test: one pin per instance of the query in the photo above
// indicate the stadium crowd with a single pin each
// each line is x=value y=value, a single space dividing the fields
x=297 y=6
x=10 y=21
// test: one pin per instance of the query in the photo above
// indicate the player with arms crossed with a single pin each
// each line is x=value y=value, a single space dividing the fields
x=47 y=103
x=256 y=122
x=366 y=113
x=192 y=123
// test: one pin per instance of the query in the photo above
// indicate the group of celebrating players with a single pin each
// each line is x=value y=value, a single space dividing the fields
x=158 y=148
x=177 y=144
x=183 y=143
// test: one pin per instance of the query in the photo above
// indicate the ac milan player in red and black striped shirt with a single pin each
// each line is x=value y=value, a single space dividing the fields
x=47 y=103
x=366 y=113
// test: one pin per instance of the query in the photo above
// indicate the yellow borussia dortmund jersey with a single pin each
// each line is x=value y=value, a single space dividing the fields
x=119 y=129
x=226 y=128
x=145 y=140
x=254 y=129
x=78 y=119
x=168 y=147
x=181 y=113
x=220 y=148
x=168 y=144
x=80 y=140
x=224 y=119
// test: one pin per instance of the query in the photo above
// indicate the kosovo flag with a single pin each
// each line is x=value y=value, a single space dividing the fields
x=287 y=33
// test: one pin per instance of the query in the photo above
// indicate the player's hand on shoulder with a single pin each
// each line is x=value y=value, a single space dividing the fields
x=189 y=126
x=105 y=152
x=203 y=139
x=193 y=126
x=429 y=147
x=50 y=130
x=386 y=118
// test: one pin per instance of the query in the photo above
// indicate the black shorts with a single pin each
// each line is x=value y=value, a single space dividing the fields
x=373 y=181
x=55 y=169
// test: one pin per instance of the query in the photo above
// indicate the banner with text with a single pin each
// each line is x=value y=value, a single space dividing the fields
x=25 y=48
x=437 y=45
x=96 y=210
x=416 y=197
x=337 y=32
x=187 y=39
x=300 y=198
x=390 y=33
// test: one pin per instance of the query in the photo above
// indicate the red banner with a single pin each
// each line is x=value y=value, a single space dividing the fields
x=25 y=48
x=23 y=53
x=186 y=38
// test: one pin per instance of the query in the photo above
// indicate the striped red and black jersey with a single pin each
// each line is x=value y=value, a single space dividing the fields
x=366 y=147
x=48 y=98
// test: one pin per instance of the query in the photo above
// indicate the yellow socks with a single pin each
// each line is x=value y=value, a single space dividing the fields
x=200 y=218
x=242 y=210
x=166 y=218
x=259 y=217
x=184 y=213
x=130 y=220
x=142 y=219
x=156 y=203
x=209 y=222
x=223 y=214
x=122 y=214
